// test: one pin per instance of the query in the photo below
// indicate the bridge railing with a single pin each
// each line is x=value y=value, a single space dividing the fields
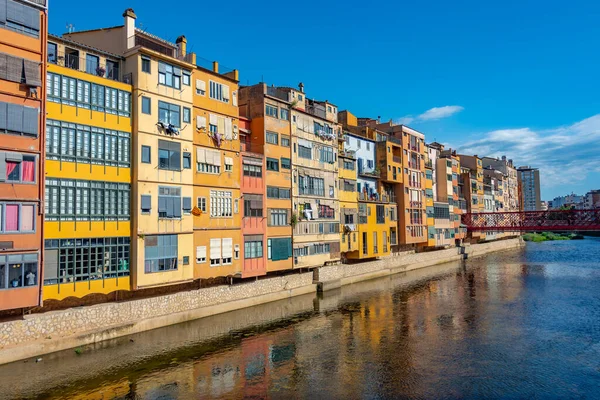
x=553 y=220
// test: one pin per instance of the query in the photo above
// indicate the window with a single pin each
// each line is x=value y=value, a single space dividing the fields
x=146 y=107
x=169 y=75
x=169 y=113
x=271 y=111
x=169 y=202
x=21 y=18
x=285 y=140
x=278 y=193
x=18 y=168
x=326 y=154
x=69 y=200
x=326 y=212
x=331 y=192
x=311 y=186
x=279 y=249
x=304 y=151
x=17 y=217
x=145 y=64
x=186 y=78
x=92 y=64
x=380 y=211
x=18 y=120
x=187 y=160
x=253 y=246
x=278 y=217
x=52 y=53
x=252 y=170
x=253 y=205
x=169 y=155
x=146 y=154
x=284 y=114
x=228 y=167
x=272 y=138
x=286 y=163
x=18 y=270
x=200 y=254
x=187 y=205
x=146 y=203
x=219 y=92
x=160 y=253
x=220 y=203
x=300 y=97
x=272 y=164
x=187 y=115
x=201 y=204
x=349 y=165
x=85 y=144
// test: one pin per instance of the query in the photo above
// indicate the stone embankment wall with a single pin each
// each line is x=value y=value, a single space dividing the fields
x=58 y=330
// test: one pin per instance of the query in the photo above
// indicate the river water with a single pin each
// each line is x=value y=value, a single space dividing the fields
x=522 y=324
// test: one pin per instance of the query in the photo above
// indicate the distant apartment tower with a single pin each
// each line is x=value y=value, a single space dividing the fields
x=592 y=199
x=529 y=186
x=23 y=52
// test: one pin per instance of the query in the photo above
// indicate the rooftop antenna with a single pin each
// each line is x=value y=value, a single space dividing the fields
x=70 y=28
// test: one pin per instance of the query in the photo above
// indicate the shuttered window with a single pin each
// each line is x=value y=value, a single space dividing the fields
x=19 y=119
x=169 y=202
x=20 y=17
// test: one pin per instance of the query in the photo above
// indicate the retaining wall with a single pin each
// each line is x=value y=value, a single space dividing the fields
x=59 y=330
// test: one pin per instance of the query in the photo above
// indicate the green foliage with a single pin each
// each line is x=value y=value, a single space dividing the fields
x=545 y=236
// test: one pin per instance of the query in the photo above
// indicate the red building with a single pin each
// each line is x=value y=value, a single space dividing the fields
x=254 y=217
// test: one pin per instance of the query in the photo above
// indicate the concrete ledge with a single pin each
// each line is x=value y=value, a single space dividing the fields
x=328 y=285
x=39 y=347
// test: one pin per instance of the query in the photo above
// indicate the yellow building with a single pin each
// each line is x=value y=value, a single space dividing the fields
x=217 y=228
x=88 y=172
x=429 y=201
x=473 y=188
x=162 y=245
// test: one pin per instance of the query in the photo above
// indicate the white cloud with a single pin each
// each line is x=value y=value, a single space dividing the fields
x=565 y=155
x=431 y=115
x=440 y=112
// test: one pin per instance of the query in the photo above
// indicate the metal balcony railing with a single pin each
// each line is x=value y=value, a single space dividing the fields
x=94 y=66
x=397 y=159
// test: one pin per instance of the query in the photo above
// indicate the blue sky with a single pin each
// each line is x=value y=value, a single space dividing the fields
x=517 y=78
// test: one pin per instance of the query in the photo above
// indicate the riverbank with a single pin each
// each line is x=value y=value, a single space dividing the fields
x=547 y=236
x=45 y=333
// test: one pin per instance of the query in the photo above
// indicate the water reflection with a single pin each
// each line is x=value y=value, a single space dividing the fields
x=508 y=325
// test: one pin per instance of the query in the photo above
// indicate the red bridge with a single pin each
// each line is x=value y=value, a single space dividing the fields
x=555 y=220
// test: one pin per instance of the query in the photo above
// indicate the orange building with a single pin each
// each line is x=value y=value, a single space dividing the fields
x=23 y=52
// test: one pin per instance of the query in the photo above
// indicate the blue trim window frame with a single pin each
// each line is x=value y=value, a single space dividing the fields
x=87 y=144
x=84 y=94
x=169 y=75
x=160 y=253
x=169 y=113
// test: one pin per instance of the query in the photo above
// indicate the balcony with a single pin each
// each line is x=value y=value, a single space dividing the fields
x=371 y=173
x=348 y=154
x=376 y=198
x=278 y=93
x=92 y=65
x=397 y=159
x=317 y=110
x=429 y=164
x=165 y=49
x=392 y=139
x=415 y=204
x=414 y=165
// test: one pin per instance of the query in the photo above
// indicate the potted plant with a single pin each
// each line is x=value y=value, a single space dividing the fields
x=293 y=220
x=100 y=70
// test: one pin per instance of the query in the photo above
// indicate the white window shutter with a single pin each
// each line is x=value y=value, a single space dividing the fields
x=228 y=248
x=226 y=92
x=200 y=85
x=214 y=120
x=200 y=254
x=228 y=129
x=215 y=248
x=200 y=122
x=234 y=98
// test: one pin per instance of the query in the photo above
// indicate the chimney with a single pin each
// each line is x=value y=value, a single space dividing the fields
x=181 y=43
x=301 y=87
x=129 y=24
x=215 y=67
x=503 y=158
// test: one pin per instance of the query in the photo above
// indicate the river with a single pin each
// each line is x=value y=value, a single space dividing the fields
x=521 y=324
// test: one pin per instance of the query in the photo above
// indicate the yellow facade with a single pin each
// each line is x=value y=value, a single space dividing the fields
x=374 y=237
x=348 y=200
x=215 y=133
x=76 y=265
x=429 y=205
x=152 y=228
